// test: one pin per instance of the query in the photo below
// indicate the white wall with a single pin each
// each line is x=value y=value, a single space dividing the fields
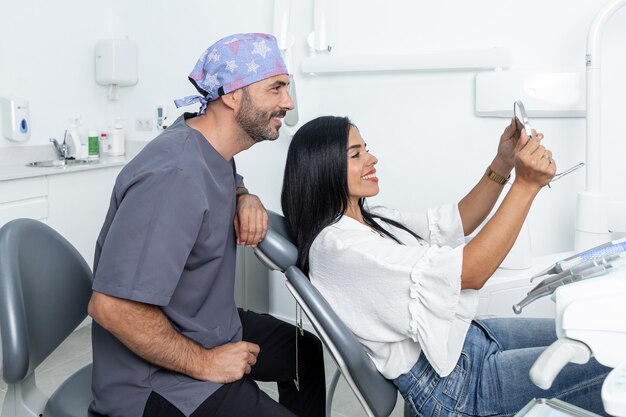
x=46 y=56
x=421 y=125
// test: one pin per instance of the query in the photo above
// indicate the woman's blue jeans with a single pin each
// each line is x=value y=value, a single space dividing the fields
x=491 y=375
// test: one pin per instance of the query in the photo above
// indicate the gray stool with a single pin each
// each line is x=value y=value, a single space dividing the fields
x=45 y=286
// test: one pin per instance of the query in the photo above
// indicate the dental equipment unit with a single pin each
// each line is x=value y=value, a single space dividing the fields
x=590 y=320
x=583 y=270
x=615 y=246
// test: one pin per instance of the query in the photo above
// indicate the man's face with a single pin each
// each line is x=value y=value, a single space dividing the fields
x=263 y=105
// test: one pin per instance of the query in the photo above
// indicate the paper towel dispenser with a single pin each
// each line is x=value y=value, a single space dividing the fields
x=116 y=63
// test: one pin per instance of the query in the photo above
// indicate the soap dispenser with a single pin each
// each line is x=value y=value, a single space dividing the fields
x=15 y=118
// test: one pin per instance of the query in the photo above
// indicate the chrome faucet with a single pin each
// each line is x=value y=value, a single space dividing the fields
x=62 y=149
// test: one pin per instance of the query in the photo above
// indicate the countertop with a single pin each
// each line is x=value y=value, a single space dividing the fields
x=12 y=172
x=13 y=161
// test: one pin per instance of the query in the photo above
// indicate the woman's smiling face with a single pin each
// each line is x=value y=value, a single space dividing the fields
x=362 y=179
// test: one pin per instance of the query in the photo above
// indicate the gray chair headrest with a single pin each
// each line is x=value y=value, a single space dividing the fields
x=277 y=251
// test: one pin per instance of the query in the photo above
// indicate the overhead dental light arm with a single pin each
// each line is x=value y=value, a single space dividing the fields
x=592 y=224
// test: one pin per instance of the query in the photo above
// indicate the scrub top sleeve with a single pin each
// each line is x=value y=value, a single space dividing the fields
x=238 y=178
x=239 y=181
x=150 y=238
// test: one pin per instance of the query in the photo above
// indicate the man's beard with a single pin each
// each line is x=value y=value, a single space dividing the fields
x=254 y=121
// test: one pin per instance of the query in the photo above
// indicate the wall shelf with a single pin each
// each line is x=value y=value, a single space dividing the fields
x=474 y=59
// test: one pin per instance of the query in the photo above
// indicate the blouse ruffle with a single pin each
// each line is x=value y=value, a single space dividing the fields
x=392 y=296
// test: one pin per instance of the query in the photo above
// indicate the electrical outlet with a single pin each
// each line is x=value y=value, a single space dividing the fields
x=143 y=124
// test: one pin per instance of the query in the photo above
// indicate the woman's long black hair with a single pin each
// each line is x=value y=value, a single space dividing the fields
x=315 y=184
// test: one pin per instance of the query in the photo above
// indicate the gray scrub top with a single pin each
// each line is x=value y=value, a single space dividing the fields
x=167 y=240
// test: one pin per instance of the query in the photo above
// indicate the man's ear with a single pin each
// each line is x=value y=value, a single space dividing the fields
x=232 y=99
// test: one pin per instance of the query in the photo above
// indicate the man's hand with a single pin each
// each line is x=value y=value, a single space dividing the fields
x=139 y=325
x=250 y=220
x=230 y=362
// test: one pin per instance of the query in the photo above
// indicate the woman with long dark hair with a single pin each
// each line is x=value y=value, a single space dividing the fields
x=406 y=284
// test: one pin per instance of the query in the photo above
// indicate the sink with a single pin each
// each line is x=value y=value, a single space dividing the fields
x=61 y=163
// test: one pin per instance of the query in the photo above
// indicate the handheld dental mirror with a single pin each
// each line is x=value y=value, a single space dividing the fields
x=522 y=118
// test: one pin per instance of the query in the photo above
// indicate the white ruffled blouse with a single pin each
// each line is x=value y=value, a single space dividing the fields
x=398 y=300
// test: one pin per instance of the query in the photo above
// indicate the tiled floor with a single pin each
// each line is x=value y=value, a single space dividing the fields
x=75 y=352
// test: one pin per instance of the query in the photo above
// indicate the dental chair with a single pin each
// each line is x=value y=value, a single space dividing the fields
x=376 y=394
x=45 y=286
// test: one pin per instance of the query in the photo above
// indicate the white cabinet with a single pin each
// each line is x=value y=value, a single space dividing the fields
x=25 y=197
x=72 y=203
x=77 y=206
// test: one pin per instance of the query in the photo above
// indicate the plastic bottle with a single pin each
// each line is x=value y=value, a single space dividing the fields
x=93 y=145
x=103 y=142
x=83 y=134
x=72 y=140
x=116 y=146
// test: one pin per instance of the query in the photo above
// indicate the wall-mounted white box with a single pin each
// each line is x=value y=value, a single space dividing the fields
x=116 y=62
x=545 y=94
x=15 y=116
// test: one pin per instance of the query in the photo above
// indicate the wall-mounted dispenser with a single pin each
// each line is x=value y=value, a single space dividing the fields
x=15 y=118
x=116 y=64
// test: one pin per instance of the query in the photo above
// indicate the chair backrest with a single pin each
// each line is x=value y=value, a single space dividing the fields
x=45 y=286
x=377 y=395
x=277 y=250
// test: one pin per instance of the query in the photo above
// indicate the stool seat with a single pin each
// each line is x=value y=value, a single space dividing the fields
x=73 y=397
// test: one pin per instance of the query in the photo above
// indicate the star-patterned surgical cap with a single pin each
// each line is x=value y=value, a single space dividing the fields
x=232 y=63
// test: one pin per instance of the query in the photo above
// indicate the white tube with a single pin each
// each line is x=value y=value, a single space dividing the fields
x=112 y=92
x=321 y=25
x=282 y=10
x=592 y=223
x=593 y=63
x=476 y=59
x=592 y=217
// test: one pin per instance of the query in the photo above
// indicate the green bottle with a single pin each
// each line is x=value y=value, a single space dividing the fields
x=93 y=146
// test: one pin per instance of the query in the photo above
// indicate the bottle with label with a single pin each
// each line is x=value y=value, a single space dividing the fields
x=116 y=146
x=104 y=145
x=93 y=145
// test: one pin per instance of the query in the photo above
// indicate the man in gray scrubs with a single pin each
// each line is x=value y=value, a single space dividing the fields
x=168 y=339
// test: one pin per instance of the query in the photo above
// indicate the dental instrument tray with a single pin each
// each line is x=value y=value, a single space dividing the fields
x=588 y=264
x=552 y=408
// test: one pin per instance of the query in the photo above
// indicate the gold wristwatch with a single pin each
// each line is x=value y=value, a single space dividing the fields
x=490 y=173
